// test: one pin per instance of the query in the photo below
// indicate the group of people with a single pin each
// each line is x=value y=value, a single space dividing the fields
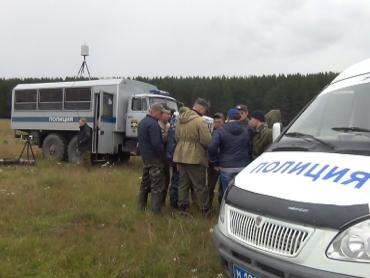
x=186 y=156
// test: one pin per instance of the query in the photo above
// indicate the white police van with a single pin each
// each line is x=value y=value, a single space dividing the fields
x=302 y=208
x=50 y=112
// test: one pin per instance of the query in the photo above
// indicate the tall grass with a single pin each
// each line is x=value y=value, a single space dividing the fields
x=58 y=220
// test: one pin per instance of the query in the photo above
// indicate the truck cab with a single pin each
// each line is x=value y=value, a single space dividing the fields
x=301 y=209
x=138 y=107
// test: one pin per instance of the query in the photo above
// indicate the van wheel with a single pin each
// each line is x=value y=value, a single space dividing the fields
x=72 y=150
x=53 y=147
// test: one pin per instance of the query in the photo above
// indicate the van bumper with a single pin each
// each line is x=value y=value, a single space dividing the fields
x=261 y=265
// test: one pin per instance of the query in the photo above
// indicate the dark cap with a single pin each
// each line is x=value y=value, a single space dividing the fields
x=233 y=114
x=259 y=115
x=202 y=102
x=218 y=115
x=242 y=107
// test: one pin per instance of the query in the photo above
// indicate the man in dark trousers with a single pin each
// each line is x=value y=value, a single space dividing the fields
x=212 y=173
x=152 y=152
x=84 y=142
x=193 y=137
x=229 y=149
x=262 y=138
x=170 y=149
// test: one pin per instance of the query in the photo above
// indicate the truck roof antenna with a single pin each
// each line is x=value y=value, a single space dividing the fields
x=84 y=53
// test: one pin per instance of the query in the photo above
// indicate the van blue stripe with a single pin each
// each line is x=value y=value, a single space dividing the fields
x=47 y=119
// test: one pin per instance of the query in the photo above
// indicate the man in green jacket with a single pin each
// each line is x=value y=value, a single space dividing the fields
x=262 y=137
x=192 y=137
x=272 y=117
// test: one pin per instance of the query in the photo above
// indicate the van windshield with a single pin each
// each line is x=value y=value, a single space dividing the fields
x=340 y=118
x=170 y=103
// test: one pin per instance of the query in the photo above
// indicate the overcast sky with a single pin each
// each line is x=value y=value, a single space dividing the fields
x=181 y=37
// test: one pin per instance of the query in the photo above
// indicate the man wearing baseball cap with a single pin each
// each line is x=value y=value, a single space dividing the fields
x=262 y=138
x=230 y=148
x=152 y=152
x=243 y=110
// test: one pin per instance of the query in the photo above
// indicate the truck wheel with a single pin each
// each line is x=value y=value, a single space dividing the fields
x=53 y=147
x=72 y=150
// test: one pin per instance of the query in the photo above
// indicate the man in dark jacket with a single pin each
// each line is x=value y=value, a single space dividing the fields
x=84 y=142
x=170 y=149
x=164 y=124
x=229 y=149
x=152 y=152
x=213 y=174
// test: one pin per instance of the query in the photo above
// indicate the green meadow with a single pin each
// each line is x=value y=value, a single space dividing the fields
x=59 y=220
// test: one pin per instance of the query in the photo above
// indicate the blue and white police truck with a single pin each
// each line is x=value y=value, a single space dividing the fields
x=301 y=209
x=50 y=113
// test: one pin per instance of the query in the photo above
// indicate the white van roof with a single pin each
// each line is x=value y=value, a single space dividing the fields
x=360 y=68
x=70 y=84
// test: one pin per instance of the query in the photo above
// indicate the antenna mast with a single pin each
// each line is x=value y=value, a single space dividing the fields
x=84 y=53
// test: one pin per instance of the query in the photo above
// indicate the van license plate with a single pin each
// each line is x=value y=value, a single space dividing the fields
x=242 y=273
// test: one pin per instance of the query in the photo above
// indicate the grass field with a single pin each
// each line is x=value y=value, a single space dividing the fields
x=58 y=220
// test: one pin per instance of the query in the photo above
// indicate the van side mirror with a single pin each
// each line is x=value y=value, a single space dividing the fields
x=276 y=131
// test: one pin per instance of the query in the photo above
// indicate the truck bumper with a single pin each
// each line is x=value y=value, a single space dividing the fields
x=263 y=266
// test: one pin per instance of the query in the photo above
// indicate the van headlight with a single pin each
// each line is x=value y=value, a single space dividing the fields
x=222 y=218
x=223 y=214
x=222 y=211
x=352 y=244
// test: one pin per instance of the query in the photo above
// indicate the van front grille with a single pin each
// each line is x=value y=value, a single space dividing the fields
x=267 y=234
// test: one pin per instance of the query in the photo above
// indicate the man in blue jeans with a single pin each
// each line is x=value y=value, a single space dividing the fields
x=230 y=148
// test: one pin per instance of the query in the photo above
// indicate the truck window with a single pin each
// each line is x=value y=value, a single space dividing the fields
x=25 y=100
x=51 y=99
x=77 y=99
x=144 y=104
x=169 y=102
x=107 y=105
x=136 y=104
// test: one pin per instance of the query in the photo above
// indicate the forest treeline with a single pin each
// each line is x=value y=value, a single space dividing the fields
x=289 y=93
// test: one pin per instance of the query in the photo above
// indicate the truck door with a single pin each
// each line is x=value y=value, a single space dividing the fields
x=104 y=123
x=96 y=122
x=136 y=111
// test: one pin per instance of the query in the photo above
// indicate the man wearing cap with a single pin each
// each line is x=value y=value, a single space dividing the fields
x=218 y=120
x=213 y=173
x=170 y=150
x=152 y=152
x=164 y=124
x=262 y=138
x=229 y=149
x=192 y=137
x=85 y=142
x=243 y=110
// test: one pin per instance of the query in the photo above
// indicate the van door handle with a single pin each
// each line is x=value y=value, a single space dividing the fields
x=101 y=132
